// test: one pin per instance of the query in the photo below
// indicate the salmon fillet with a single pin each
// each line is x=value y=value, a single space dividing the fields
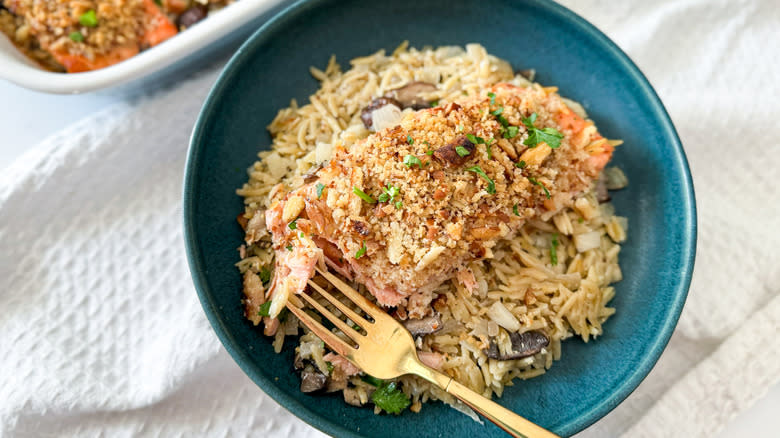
x=456 y=179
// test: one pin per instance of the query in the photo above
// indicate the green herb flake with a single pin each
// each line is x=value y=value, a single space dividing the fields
x=409 y=139
x=510 y=132
x=320 y=188
x=550 y=136
x=492 y=97
x=459 y=128
x=399 y=205
x=465 y=93
x=489 y=151
x=461 y=151
x=491 y=188
x=265 y=309
x=293 y=225
x=520 y=164
x=289 y=247
x=429 y=153
x=371 y=380
x=390 y=399
x=581 y=220
x=363 y=195
x=330 y=366
x=411 y=160
x=76 y=36
x=514 y=210
x=362 y=251
x=474 y=139
x=498 y=111
x=554 y=250
x=88 y=18
x=265 y=275
x=534 y=181
x=434 y=104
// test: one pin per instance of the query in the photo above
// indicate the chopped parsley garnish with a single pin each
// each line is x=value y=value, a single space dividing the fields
x=320 y=187
x=498 y=111
x=465 y=93
x=534 y=181
x=550 y=136
x=460 y=128
x=504 y=122
x=362 y=251
x=265 y=309
x=460 y=150
x=510 y=132
x=429 y=152
x=491 y=188
x=581 y=220
x=389 y=193
x=76 y=36
x=474 y=139
x=390 y=399
x=289 y=247
x=399 y=205
x=411 y=160
x=355 y=327
x=554 y=250
x=520 y=164
x=514 y=210
x=409 y=139
x=293 y=225
x=88 y=18
x=435 y=103
x=330 y=366
x=489 y=151
x=492 y=97
x=265 y=275
x=363 y=195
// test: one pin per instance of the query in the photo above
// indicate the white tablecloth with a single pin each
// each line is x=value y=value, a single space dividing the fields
x=102 y=333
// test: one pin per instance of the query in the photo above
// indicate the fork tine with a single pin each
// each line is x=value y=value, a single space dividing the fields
x=351 y=314
x=349 y=331
x=362 y=302
x=333 y=341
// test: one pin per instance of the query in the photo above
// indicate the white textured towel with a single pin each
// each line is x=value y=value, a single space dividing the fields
x=101 y=333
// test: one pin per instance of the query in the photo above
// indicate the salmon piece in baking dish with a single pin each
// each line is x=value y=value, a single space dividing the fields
x=408 y=207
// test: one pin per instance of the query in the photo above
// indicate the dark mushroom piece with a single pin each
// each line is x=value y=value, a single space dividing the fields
x=523 y=345
x=352 y=397
x=312 y=379
x=366 y=115
x=449 y=155
x=409 y=95
x=192 y=16
x=423 y=326
x=602 y=195
x=311 y=174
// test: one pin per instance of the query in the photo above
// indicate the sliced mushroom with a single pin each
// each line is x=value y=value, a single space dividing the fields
x=192 y=16
x=423 y=326
x=367 y=115
x=311 y=174
x=602 y=195
x=410 y=95
x=352 y=397
x=448 y=154
x=312 y=380
x=523 y=345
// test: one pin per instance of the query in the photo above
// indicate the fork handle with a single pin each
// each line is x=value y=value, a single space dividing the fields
x=512 y=423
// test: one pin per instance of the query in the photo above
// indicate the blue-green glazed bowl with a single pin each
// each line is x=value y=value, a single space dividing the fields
x=566 y=51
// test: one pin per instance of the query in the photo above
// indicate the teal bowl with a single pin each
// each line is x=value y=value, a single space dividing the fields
x=566 y=51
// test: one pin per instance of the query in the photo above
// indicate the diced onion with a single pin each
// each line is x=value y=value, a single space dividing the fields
x=385 y=117
x=503 y=317
x=586 y=241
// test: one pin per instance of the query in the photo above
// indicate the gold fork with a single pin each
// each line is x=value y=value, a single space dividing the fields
x=387 y=350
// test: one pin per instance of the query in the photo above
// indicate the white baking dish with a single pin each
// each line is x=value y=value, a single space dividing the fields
x=216 y=28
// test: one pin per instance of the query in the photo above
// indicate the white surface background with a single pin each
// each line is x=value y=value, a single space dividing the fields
x=28 y=117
